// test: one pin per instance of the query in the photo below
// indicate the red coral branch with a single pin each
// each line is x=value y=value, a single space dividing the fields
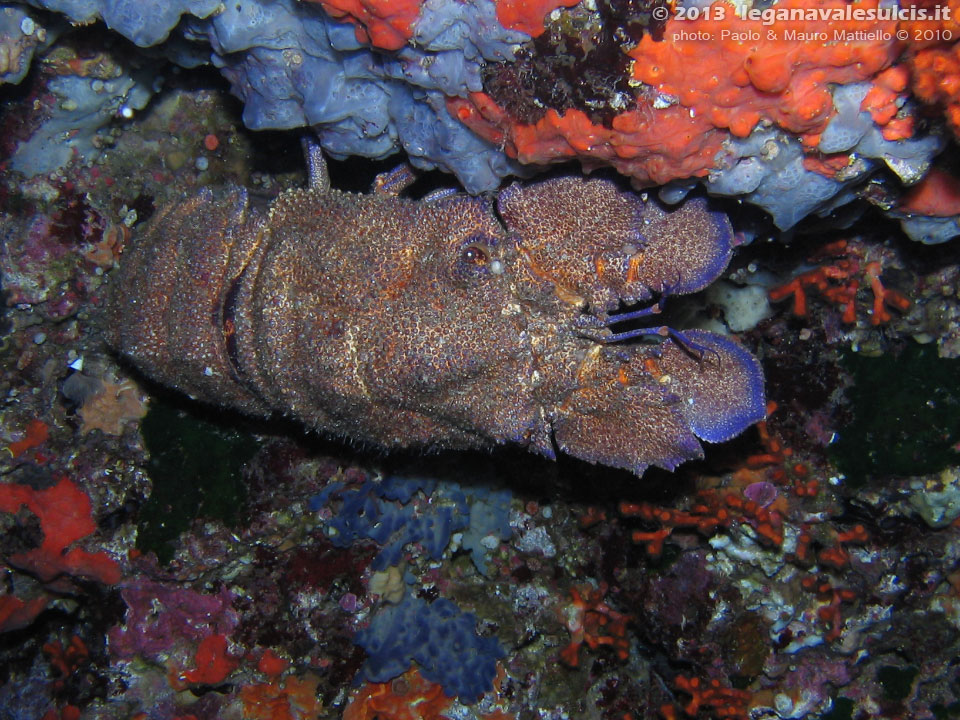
x=594 y=623
x=721 y=702
x=830 y=613
x=838 y=283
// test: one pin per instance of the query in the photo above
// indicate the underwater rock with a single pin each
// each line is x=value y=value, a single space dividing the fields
x=796 y=121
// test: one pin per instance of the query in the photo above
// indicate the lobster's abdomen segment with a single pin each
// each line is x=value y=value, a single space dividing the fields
x=168 y=305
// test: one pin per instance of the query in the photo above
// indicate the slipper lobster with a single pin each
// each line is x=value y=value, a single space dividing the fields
x=449 y=322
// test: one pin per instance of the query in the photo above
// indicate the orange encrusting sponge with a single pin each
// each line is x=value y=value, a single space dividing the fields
x=937 y=195
x=389 y=24
x=386 y=24
x=699 y=93
x=933 y=59
x=527 y=15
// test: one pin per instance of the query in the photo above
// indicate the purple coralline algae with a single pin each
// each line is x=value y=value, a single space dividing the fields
x=161 y=617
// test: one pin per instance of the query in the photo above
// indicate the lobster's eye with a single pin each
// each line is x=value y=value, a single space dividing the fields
x=475 y=255
x=475 y=259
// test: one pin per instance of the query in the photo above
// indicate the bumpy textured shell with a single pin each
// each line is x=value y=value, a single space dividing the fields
x=448 y=322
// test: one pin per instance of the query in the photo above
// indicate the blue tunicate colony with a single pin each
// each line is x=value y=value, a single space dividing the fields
x=395 y=512
x=440 y=638
x=294 y=66
x=386 y=512
x=84 y=105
